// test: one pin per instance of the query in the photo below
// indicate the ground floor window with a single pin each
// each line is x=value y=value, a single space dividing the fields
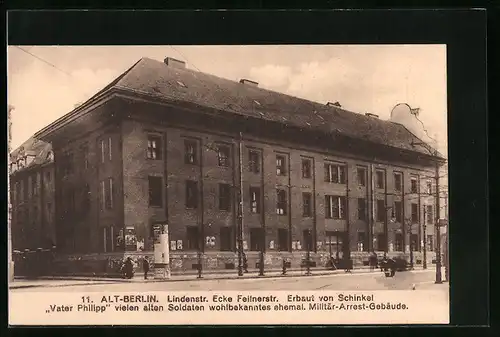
x=362 y=242
x=308 y=239
x=430 y=243
x=226 y=238
x=283 y=240
x=108 y=239
x=382 y=242
x=334 y=242
x=399 y=242
x=414 y=246
x=256 y=239
x=192 y=238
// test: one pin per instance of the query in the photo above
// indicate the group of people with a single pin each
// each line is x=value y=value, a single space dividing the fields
x=386 y=265
x=127 y=268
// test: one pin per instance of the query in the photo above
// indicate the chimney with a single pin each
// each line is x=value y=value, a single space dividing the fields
x=337 y=104
x=371 y=115
x=174 y=63
x=248 y=82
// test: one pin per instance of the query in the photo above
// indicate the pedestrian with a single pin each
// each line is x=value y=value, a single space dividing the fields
x=128 y=268
x=145 y=267
x=245 y=263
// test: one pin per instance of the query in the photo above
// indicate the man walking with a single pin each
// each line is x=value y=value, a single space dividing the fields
x=145 y=267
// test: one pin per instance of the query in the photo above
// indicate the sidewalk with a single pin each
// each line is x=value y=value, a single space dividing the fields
x=61 y=281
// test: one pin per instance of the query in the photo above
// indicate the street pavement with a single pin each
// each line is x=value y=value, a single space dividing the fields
x=358 y=280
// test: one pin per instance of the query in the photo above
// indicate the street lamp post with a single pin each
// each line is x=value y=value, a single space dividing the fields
x=308 y=253
x=410 y=228
x=240 y=208
x=434 y=152
x=424 y=227
x=261 y=256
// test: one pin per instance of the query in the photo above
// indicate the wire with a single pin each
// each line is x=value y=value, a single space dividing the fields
x=44 y=61
x=182 y=55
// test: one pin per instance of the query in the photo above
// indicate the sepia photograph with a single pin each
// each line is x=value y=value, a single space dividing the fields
x=161 y=178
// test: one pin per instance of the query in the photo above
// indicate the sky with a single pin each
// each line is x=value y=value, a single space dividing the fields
x=46 y=82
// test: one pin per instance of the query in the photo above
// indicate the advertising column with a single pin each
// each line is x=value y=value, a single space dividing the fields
x=162 y=254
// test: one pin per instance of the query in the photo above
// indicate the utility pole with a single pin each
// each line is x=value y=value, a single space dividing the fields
x=424 y=226
x=240 y=209
x=410 y=227
x=438 y=228
x=9 y=205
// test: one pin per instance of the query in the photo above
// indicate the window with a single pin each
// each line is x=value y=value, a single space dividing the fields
x=191 y=194
x=430 y=243
x=414 y=242
x=308 y=240
x=306 y=204
x=361 y=208
x=155 y=191
x=226 y=235
x=256 y=239
x=223 y=155
x=398 y=181
x=224 y=197
x=280 y=165
x=306 y=168
x=154 y=147
x=335 y=207
x=362 y=244
x=283 y=240
x=107 y=194
x=381 y=242
x=428 y=186
x=380 y=179
x=254 y=161
x=397 y=211
x=192 y=238
x=334 y=242
x=414 y=213
x=414 y=184
x=335 y=173
x=398 y=247
x=103 y=151
x=109 y=148
x=281 y=205
x=361 y=174
x=429 y=215
x=67 y=163
x=255 y=200
x=381 y=211
x=190 y=152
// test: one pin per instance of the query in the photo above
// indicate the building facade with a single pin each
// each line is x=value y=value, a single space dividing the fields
x=32 y=196
x=163 y=144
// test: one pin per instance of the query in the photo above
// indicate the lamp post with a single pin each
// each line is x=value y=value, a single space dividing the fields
x=308 y=253
x=240 y=207
x=201 y=245
x=424 y=230
x=9 y=205
x=261 y=256
x=410 y=228
x=434 y=152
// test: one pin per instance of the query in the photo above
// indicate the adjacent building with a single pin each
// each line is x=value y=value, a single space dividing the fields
x=163 y=144
x=32 y=196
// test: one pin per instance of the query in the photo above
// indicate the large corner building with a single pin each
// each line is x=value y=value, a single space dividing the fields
x=162 y=144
